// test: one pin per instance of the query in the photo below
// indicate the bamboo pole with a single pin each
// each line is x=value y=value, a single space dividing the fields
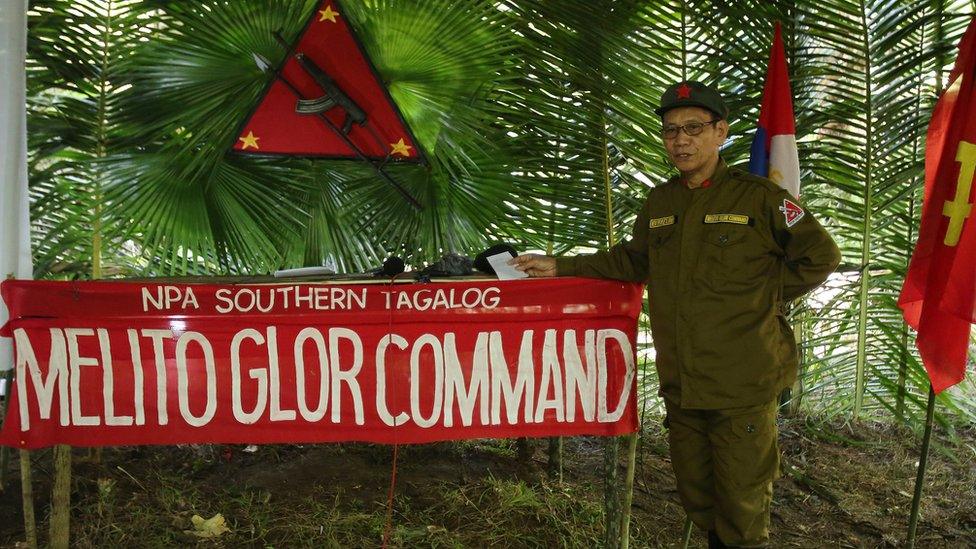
x=27 y=493
x=61 y=498
x=611 y=499
x=930 y=407
x=922 y=464
x=628 y=491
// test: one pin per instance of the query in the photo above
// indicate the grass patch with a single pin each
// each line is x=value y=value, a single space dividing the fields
x=851 y=488
x=154 y=511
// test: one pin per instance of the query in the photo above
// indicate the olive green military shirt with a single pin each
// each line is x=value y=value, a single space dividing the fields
x=720 y=262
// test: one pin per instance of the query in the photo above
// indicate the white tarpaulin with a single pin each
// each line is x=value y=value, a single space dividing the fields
x=15 y=258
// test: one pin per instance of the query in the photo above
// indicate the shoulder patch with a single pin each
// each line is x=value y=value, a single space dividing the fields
x=792 y=212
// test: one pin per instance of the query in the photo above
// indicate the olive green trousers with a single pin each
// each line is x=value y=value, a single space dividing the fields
x=725 y=462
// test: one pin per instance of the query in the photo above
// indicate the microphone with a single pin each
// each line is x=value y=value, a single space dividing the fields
x=450 y=264
x=481 y=261
x=391 y=267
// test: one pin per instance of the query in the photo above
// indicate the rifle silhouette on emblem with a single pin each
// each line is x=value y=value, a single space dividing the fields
x=332 y=98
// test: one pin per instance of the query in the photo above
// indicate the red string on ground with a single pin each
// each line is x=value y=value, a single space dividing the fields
x=388 y=529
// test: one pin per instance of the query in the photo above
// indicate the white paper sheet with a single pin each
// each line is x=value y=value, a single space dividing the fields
x=499 y=262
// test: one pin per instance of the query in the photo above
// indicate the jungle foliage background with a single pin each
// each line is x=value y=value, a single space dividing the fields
x=536 y=117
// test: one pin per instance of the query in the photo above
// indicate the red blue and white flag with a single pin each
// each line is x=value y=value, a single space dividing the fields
x=773 y=152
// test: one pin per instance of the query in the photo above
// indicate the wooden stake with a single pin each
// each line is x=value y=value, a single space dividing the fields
x=5 y=452
x=4 y=464
x=523 y=447
x=628 y=491
x=611 y=500
x=61 y=498
x=30 y=526
x=922 y=463
x=555 y=469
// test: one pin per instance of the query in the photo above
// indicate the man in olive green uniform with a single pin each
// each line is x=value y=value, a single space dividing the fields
x=722 y=252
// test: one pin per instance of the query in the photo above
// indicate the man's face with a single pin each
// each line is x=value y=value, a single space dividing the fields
x=692 y=154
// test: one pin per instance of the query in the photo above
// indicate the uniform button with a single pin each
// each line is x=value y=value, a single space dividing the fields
x=750 y=428
x=723 y=238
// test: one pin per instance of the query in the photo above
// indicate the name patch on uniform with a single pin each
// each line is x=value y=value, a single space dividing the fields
x=735 y=219
x=662 y=221
x=792 y=212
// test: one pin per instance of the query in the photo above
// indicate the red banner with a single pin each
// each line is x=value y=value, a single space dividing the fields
x=939 y=294
x=125 y=363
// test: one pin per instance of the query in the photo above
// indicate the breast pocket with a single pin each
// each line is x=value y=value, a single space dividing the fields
x=732 y=253
x=660 y=237
x=660 y=248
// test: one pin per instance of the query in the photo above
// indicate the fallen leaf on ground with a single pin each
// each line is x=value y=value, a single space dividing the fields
x=208 y=528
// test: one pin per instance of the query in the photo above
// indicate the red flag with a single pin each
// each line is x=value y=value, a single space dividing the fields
x=329 y=43
x=939 y=295
x=773 y=152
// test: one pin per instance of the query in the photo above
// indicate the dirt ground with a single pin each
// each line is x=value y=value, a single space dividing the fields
x=843 y=486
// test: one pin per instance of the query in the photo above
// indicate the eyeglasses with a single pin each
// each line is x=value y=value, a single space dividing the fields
x=691 y=128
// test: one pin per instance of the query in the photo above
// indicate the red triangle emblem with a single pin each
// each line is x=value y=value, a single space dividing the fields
x=792 y=212
x=300 y=113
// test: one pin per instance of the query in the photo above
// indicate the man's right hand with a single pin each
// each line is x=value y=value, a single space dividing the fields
x=535 y=264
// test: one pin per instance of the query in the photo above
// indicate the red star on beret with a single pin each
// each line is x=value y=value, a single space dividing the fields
x=684 y=92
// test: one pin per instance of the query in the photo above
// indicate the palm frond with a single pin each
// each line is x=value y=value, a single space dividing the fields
x=536 y=118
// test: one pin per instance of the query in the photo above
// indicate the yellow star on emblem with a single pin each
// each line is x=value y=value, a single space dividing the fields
x=249 y=141
x=327 y=14
x=400 y=148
